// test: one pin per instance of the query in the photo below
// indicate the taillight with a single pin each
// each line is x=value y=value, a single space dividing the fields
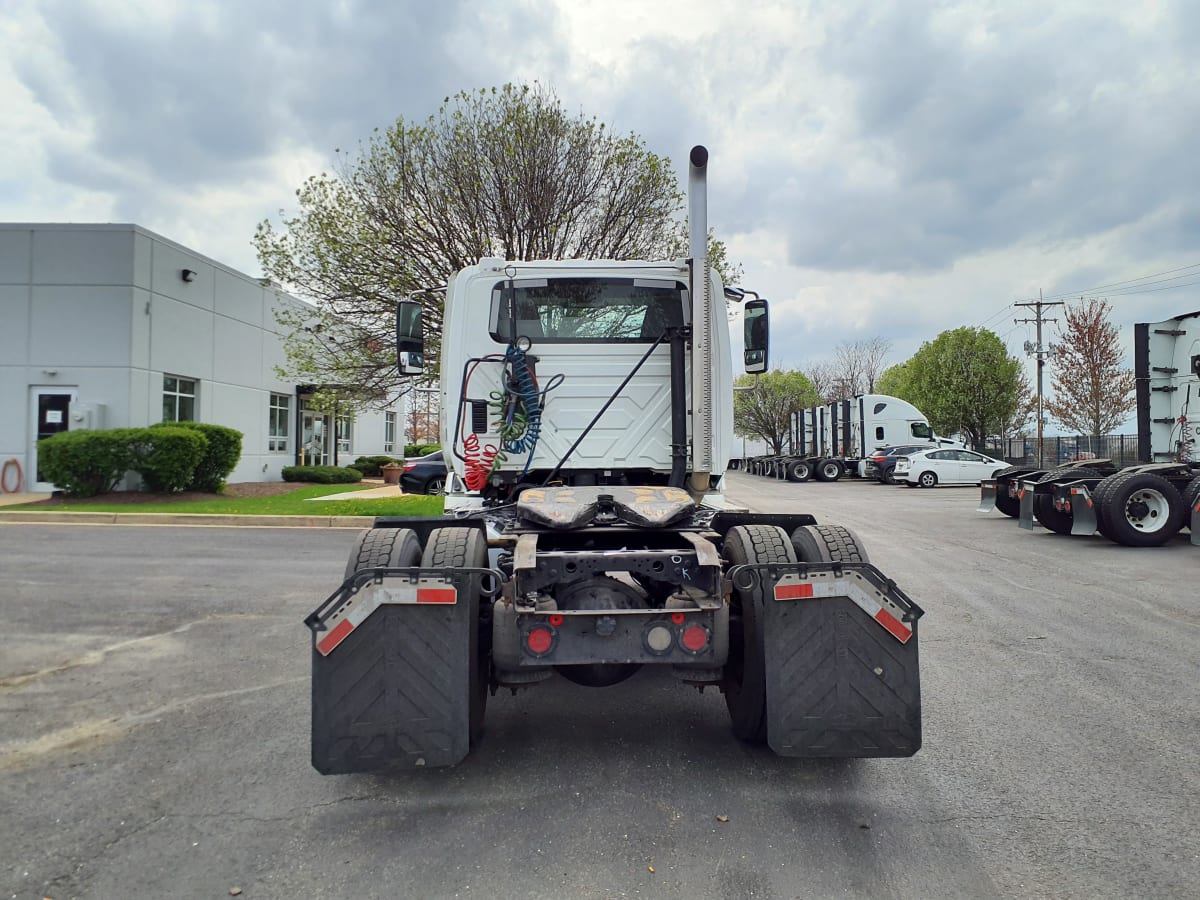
x=694 y=638
x=539 y=640
x=409 y=466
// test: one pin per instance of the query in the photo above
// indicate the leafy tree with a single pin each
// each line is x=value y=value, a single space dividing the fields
x=894 y=381
x=965 y=381
x=1092 y=392
x=501 y=172
x=764 y=408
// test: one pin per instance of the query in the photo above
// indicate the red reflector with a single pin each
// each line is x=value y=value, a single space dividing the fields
x=677 y=618
x=556 y=620
x=539 y=640
x=437 y=595
x=793 y=591
x=694 y=638
x=326 y=644
x=897 y=628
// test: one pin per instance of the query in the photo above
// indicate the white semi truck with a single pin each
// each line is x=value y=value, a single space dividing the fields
x=588 y=424
x=1144 y=505
x=835 y=439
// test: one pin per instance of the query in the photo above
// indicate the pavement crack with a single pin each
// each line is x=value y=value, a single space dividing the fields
x=95 y=657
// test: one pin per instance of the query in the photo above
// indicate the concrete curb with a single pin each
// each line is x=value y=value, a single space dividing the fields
x=184 y=519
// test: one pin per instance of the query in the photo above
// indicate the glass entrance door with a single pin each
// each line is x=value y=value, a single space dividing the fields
x=314 y=439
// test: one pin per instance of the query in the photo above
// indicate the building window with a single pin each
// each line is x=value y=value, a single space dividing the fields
x=277 y=425
x=343 y=434
x=179 y=399
x=389 y=432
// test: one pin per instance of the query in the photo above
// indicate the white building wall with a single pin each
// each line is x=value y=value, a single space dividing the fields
x=103 y=312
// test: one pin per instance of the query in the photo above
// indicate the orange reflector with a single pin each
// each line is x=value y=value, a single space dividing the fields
x=694 y=638
x=539 y=640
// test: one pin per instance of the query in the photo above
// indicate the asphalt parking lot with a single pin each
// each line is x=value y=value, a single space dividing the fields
x=154 y=695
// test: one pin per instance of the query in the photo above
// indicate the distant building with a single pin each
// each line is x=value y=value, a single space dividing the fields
x=105 y=326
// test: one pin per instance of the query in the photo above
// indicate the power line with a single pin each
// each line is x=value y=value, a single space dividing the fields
x=1066 y=295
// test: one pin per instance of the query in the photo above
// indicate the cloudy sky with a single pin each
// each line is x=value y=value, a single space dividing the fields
x=878 y=168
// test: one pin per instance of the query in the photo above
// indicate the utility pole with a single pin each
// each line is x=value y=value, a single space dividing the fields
x=1041 y=352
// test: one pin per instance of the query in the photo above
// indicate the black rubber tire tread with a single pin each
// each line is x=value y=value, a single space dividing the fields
x=828 y=543
x=819 y=471
x=889 y=477
x=1111 y=517
x=458 y=548
x=1191 y=494
x=378 y=547
x=933 y=479
x=1043 y=504
x=800 y=471
x=1010 y=506
x=435 y=486
x=744 y=682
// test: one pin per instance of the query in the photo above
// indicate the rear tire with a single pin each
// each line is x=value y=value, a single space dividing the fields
x=393 y=548
x=1140 y=510
x=459 y=548
x=800 y=471
x=1010 y=506
x=927 y=480
x=744 y=681
x=1191 y=495
x=1053 y=519
x=829 y=470
x=827 y=543
x=435 y=486
x=889 y=477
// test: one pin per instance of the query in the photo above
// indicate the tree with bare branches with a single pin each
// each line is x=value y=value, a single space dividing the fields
x=1092 y=392
x=501 y=172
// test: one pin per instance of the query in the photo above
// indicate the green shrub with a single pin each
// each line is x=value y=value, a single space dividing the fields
x=322 y=474
x=167 y=458
x=86 y=463
x=371 y=465
x=412 y=450
x=221 y=454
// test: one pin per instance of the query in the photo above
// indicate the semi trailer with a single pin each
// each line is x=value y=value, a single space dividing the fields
x=1143 y=505
x=838 y=438
x=587 y=421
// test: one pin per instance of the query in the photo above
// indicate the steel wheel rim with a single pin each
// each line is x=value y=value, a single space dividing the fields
x=1147 y=510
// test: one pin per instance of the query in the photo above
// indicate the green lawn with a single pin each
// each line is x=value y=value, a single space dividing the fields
x=295 y=503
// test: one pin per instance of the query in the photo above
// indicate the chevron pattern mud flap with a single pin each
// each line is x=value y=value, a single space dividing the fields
x=391 y=676
x=843 y=680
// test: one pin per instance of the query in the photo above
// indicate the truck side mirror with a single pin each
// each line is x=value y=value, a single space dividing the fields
x=757 y=335
x=410 y=338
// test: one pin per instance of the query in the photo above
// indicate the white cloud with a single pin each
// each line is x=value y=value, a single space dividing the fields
x=894 y=169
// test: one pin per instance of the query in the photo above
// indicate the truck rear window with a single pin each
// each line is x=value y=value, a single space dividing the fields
x=586 y=310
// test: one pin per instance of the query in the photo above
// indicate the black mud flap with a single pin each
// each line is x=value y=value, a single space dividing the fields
x=391 y=670
x=842 y=673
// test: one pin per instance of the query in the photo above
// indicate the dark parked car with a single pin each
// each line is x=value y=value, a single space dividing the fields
x=424 y=475
x=882 y=462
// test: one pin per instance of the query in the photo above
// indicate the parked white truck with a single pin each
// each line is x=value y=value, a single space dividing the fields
x=835 y=439
x=588 y=417
x=1143 y=505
